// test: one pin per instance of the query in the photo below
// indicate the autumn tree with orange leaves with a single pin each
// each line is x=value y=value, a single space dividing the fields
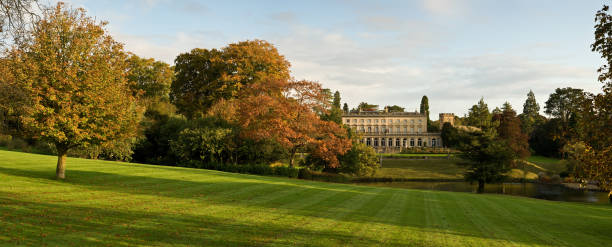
x=72 y=74
x=285 y=111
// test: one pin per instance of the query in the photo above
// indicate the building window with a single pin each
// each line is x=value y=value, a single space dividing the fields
x=411 y=130
x=404 y=142
x=411 y=142
x=390 y=129
x=369 y=129
x=412 y=121
x=419 y=130
x=361 y=120
x=361 y=141
x=396 y=120
x=384 y=129
x=397 y=142
x=375 y=142
x=369 y=120
x=420 y=120
x=348 y=121
x=368 y=142
x=405 y=130
x=390 y=142
x=397 y=130
x=382 y=142
x=354 y=120
x=419 y=142
x=375 y=120
x=405 y=121
x=382 y=121
x=362 y=129
x=433 y=142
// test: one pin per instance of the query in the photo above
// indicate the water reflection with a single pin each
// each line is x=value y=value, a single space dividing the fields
x=552 y=192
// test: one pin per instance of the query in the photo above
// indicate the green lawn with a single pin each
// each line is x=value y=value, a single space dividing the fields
x=120 y=204
x=421 y=169
x=413 y=155
x=547 y=164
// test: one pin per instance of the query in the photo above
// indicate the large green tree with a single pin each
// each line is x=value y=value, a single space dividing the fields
x=509 y=129
x=487 y=158
x=566 y=104
x=73 y=76
x=203 y=77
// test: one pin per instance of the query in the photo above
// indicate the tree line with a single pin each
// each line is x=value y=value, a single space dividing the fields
x=69 y=84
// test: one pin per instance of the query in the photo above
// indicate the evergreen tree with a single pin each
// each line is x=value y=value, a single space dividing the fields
x=425 y=106
x=345 y=108
x=531 y=114
x=336 y=102
x=479 y=115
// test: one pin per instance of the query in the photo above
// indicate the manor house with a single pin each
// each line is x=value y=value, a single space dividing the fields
x=390 y=131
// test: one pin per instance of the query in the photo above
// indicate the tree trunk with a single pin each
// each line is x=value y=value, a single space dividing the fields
x=291 y=157
x=60 y=171
x=481 y=185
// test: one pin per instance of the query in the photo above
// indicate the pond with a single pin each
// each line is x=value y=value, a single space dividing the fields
x=554 y=192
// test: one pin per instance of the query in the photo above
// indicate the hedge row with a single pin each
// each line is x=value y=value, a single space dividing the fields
x=266 y=170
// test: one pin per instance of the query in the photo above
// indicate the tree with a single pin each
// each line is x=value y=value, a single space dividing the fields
x=479 y=116
x=286 y=112
x=149 y=78
x=509 y=130
x=345 y=108
x=531 y=113
x=487 y=159
x=335 y=112
x=360 y=160
x=73 y=75
x=395 y=108
x=565 y=104
x=203 y=76
x=425 y=107
x=449 y=135
x=364 y=106
x=596 y=116
x=15 y=15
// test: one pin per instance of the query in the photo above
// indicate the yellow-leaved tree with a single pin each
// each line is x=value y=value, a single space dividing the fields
x=72 y=74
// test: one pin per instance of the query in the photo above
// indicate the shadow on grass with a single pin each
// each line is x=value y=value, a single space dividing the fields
x=71 y=221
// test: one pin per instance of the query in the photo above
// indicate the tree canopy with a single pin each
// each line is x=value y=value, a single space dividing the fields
x=75 y=86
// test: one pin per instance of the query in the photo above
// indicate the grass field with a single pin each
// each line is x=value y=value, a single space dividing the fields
x=413 y=155
x=421 y=169
x=120 y=204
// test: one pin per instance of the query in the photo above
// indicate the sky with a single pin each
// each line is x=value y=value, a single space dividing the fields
x=385 y=52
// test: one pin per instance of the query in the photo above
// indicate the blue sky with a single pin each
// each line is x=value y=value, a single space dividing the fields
x=385 y=52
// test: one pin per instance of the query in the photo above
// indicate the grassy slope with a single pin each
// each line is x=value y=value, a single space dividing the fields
x=115 y=204
x=421 y=169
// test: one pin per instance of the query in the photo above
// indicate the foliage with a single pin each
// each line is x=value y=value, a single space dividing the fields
x=487 y=159
x=509 y=130
x=531 y=114
x=345 y=108
x=449 y=135
x=360 y=160
x=364 y=106
x=479 y=116
x=207 y=143
x=203 y=77
x=75 y=85
x=424 y=108
x=334 y=114
x=286 y=113
x=543 y=140
x=394 y=108
x=149 y=78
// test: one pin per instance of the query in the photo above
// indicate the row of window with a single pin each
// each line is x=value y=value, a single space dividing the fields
x=383 y=129
x=354 y=120
x=389 y=142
